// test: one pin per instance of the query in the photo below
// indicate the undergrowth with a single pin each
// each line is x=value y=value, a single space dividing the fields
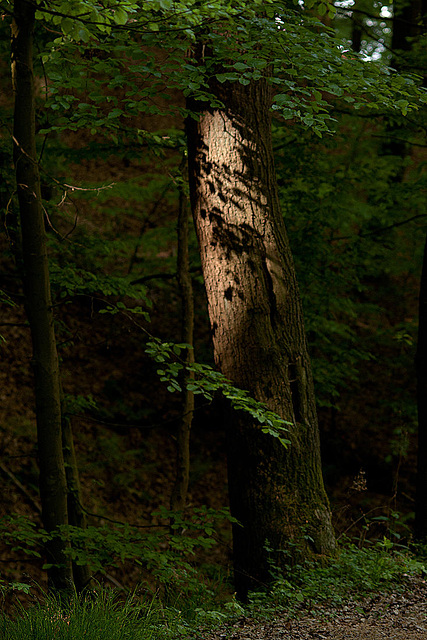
x=353 y=573
x=104 y=614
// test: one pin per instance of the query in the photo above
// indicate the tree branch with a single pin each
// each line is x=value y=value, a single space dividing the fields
x=21 y=487
x=380 y=229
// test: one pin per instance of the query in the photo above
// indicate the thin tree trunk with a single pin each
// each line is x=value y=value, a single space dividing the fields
x=421 y=370
x=180 y=489
x=356 y=30
x=408 y=21
x=258 y=334
x=53 y=489
x=76 y=514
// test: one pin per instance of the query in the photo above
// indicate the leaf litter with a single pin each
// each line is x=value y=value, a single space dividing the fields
x=383 y=616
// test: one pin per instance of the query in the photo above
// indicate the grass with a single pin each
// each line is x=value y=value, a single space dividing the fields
x=102 y=616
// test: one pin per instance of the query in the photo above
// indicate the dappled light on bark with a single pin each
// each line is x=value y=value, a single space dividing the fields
x=258 y=334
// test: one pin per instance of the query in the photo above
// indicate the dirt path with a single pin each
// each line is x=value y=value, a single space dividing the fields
x=389 y=616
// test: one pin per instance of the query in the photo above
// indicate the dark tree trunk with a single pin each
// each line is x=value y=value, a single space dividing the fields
x=421 y=369
x=277 y=494
x=357 y=30
x=76 y=513
x=419 y=8
x=180 y=489
x=421 y=360
x=408 y=21
x=356 y=34
x=53 y=489
x=408 y=24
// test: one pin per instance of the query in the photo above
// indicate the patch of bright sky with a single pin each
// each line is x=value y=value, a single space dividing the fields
x=385 y=10
x=372 y=49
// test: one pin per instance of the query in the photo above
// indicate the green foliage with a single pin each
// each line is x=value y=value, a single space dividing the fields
x=6 y=300
x=114 y=45
x=77 y=404
x=22 y=535
x=102 y=81
x=338 y=196
x=355 y=235
x=163 y=550
x=165 y=553
x=70 y=282
x=103 y=613
x=357 y=571
x=312 y=75
x=97 y=615
x=207 y=382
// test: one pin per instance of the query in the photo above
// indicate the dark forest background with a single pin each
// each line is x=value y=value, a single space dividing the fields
x=111 y=179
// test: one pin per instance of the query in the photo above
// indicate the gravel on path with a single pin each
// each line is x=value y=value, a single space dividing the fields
x=384 y=616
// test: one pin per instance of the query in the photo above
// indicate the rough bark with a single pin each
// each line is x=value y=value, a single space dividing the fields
x=180 y=489
x=277 y=494
x=53 y=490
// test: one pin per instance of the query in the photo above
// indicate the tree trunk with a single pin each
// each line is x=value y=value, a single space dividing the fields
x=356 y=30
x=53 y=489
x=180 y=489
x=421 y=369
x=76 y=514
x=419 y=13
x=409 y=23
x=276 y=494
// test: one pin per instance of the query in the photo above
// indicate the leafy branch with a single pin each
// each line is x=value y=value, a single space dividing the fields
x=207 y=382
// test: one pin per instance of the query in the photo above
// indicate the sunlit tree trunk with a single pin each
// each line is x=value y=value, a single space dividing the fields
x=277 y=494
x=53 y=488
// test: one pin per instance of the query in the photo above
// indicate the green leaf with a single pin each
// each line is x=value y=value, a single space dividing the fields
x=120 y=16
x=67 y=25
x=240 y=66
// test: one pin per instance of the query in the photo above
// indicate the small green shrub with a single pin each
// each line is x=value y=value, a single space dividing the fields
x=165 y=551
x=353 y=572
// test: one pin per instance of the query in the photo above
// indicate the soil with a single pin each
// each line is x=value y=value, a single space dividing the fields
x=386 y=616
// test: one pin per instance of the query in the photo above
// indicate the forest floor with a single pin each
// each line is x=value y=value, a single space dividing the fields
x=396 y=615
